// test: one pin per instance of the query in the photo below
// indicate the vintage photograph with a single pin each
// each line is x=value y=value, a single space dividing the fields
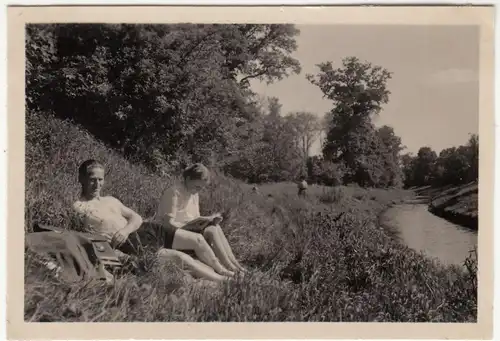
x=251 y=172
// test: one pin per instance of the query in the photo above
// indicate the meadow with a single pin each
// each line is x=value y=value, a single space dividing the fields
x=319 y=258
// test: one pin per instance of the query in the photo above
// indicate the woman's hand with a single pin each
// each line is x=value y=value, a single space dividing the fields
x=217 y=219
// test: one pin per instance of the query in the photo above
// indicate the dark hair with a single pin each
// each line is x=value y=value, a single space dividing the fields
x=84 y=168
x=196 y=171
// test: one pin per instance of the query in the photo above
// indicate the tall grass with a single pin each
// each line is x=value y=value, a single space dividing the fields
x=322 y=258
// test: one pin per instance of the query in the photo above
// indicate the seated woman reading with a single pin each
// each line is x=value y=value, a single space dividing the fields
x=107 y=216
x=179 y=208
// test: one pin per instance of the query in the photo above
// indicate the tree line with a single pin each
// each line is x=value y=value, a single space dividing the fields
x=453 y=166
x=170 y=95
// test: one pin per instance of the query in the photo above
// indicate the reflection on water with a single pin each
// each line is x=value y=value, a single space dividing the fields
x=423 y=231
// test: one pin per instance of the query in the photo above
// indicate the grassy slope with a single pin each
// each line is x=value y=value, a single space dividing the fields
x=458 y=204
x=308 y=267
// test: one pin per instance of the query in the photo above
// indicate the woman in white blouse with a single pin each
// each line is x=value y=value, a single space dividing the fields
x=180 y=207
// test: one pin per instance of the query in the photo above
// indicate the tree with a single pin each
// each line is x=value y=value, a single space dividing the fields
x=306 y=127
x=453 y=165
x=324 y=172
x=40 y=54
x=424 y=166
x=256 y=51
x=407 y=162
x=358 y=91
x=274 y=107
x=324 y=125
x=390 y=150
x=282 y=156
x=268 y=150
x=473 y=157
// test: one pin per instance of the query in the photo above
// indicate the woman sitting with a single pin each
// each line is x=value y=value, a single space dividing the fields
x=107 y=216
x=179 y=208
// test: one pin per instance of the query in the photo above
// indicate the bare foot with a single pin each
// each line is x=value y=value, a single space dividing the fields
x=228 y=273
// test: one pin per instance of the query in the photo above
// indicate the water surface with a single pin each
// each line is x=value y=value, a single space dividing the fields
x=436 y=237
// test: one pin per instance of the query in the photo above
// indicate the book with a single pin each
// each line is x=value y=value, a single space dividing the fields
x=198 y=224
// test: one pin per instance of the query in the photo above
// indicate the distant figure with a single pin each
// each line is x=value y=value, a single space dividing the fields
x=302 y=185
x=255 y=189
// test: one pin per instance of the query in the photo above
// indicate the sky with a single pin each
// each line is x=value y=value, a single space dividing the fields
x=434 y=98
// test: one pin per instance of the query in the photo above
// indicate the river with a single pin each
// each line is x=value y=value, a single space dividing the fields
x=436 y=237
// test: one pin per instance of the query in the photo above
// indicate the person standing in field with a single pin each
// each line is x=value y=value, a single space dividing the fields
x=126 y=231
x=302 y=186
x=179 y=208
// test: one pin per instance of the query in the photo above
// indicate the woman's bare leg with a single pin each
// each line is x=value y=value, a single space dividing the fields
x=186 y=240
x=214 y=240
x=228 y=249
x=188 y=263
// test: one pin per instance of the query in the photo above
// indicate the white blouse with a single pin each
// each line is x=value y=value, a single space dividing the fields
x=178 y=204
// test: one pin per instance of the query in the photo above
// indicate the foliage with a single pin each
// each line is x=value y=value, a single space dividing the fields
x=324 y=172
x=424 y=165
x=271 y=151
x=162 y=94
x=358 y=91
x=389 y=151
x=306 y=127
x=454 y=165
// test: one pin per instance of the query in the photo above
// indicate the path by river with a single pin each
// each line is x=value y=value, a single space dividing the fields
x=436 y=237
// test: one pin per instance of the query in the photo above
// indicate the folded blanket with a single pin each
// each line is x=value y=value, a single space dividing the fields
x=72 y=252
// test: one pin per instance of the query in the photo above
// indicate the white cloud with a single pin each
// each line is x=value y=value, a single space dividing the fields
x=451 y=76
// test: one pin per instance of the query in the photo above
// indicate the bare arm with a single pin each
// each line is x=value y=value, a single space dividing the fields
x=215 y=218
x=134 y=219
x=168 y=208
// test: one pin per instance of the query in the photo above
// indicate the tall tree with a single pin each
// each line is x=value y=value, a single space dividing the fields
x=281 y=151
x=390 y=150
x=274 y=107
x=407 y=164
x=424 y=166
x=306 y=127
x=358 y=90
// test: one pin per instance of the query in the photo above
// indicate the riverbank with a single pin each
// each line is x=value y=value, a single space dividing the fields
x=457 y=204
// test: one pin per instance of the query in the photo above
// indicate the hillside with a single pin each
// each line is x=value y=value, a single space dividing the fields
x=308 y=262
